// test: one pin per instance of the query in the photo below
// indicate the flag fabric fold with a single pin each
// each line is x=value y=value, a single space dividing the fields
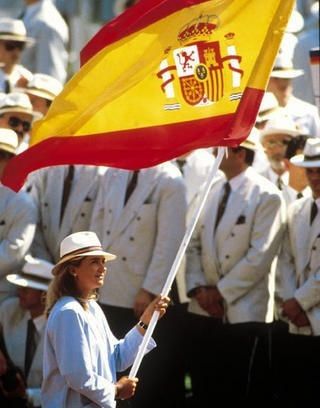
x=163 y=78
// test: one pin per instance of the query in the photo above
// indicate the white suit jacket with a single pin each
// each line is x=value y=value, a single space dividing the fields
x=82 y=357
x=145 y=234
x=18 y=218
x=48 y=54
x=14 y=325
x=237 y=258
x=46 y=188
x=298 y=273
x=196 y=170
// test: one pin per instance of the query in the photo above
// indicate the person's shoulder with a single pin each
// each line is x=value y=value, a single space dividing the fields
x=262 y=183
x=10 y=309
x=66 y=305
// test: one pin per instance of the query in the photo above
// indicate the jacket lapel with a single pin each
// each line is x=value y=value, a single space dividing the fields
x=85 y=178
x=235 y=205
x=146 y=182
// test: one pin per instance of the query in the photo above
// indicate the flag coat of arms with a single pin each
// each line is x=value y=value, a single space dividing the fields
x=162 y=79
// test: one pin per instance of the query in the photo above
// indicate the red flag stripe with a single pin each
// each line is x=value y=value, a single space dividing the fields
x=144 y=13
x=128 y=149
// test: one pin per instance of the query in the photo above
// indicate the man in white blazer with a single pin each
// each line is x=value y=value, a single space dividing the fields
x=18 y=218
x=228 y=271
x=145 y=232
x=48 y=55
x=297 y=334
x=59 y=215
x=22 y=324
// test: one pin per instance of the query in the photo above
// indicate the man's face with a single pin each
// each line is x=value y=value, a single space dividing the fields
x=313 y=176
x=275 y=146
x=231 y=161
x=10 y=53
x=17 y=121
x=281 y=88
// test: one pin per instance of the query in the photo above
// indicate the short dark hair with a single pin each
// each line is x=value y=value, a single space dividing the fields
x=249 y=157
x=296 y=143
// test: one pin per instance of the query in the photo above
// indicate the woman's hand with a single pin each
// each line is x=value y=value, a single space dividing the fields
x=160 y=303
x=126 y=387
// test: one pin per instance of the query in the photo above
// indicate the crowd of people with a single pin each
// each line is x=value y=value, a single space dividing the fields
x=243 y=324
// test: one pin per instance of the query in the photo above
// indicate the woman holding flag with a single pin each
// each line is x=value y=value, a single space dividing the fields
x=81 y=355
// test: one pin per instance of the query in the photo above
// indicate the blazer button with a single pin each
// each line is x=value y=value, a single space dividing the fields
x=2 y=222
x=227 y=256
x=46 y=204
x=110 y=211
x=131 y=238
x=83 y=214
x=314 y=248
x=108 y=232
x=124 y=258
x=232 y=234
x=138 y=218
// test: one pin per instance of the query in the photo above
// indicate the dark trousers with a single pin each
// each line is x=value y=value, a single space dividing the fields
x=296 y=366
x=229 y=362
x=161 y=374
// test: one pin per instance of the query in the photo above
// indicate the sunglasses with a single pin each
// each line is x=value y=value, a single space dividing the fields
x=14 y=122
x=281 y=143
x=12 y=45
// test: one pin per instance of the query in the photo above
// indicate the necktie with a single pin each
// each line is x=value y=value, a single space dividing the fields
x=299 y=195
x=31 y=346
x=279 y=183
x=66 y=191
x=131 y=186
x=223 y=204
x=7 y=86
x=314 y=212
x=181 y=163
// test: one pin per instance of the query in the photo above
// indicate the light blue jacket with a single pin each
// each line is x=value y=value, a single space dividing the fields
x=81 y=357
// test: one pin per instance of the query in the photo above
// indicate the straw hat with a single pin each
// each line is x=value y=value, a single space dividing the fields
x=283 y=68
x=36 y=274
x=8 y=140
x=268 y=108
x=83 y=243
x=44 y=86
x=18 y=102
x=252 y=141
x=280 y=124
x=14 y=30
x=310 y=156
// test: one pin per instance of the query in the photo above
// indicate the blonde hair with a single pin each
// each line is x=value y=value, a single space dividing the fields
x=64 y=284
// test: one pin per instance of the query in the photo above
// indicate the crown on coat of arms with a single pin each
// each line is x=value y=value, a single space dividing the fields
x=198 y=29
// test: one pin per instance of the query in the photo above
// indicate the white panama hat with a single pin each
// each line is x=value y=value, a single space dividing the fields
x=283 y=68
x=268 y=108
x=18 y=102
x=14 y=30
x=252 y=141
x=35 y=273
x=280 y=124
x=310 y=156
x=83 y=243
x=8 y=140
x=42 y=85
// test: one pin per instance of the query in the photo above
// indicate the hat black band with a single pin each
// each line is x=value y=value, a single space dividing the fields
x=34 y=277
x=311 y=158
x=13 y=35
x=81 y=251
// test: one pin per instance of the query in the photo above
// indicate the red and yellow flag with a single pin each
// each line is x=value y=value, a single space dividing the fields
x=164 y=78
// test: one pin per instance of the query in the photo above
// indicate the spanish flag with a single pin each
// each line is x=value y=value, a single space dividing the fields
x=164 y=78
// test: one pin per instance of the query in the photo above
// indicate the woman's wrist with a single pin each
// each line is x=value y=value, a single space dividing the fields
x=142 y=327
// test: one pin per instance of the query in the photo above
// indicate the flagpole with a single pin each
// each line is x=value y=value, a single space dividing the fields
x=176 y=264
